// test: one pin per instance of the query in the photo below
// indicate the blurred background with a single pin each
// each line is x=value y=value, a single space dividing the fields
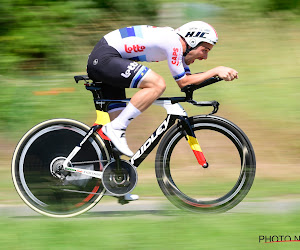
x=45 y=43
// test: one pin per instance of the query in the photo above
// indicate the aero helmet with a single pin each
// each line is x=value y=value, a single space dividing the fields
x=196 y=32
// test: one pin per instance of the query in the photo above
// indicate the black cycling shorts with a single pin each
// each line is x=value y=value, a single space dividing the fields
x=106 y=65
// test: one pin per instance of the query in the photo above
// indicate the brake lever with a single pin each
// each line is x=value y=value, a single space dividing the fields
x=214 y=104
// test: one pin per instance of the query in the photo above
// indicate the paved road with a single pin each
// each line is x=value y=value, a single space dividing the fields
x=154 y=207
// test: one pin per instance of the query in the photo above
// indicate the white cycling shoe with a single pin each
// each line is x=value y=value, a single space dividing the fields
x=127 y=198
x=118 y=138
x=131 y=197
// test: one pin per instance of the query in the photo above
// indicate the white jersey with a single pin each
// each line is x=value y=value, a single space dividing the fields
x=150 y=44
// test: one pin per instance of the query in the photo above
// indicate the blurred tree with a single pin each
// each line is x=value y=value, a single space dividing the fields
x=257 y=6
x=275 y=5
x=33 y=33
x=36 y=32
x=138 y=8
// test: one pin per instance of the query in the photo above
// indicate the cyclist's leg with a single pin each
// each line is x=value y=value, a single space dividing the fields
x=114 y=114
x=152 y=87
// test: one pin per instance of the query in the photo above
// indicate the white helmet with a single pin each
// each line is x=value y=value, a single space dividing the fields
x=196 y=32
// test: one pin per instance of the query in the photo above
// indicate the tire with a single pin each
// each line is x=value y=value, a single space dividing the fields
x=39 y=150
x=217 y=188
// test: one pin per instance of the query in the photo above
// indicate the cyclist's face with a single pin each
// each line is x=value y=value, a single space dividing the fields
x=200 y=53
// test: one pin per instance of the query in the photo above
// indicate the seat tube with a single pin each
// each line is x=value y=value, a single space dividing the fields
x=193 y=142
x=101 y=112
x=102 y=117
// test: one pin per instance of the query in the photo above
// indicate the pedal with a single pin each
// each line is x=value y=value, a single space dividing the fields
x=122 y=201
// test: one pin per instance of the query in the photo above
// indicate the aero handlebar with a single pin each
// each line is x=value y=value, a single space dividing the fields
x=193 y=87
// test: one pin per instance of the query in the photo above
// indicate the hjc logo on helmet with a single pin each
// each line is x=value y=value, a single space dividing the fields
x=199 y=34
x=131 y=66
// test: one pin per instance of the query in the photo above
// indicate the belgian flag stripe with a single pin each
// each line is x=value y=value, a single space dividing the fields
x=194 y=144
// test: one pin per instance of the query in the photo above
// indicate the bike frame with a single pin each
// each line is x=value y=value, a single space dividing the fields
x=174 y=112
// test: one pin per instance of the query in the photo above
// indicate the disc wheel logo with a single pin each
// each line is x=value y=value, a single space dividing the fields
x=95 y=62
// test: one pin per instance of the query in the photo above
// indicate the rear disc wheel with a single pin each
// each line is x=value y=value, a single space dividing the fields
x=37 y=168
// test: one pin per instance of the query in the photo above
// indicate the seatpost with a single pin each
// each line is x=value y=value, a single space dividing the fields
x=189 y=92
x=97 y=95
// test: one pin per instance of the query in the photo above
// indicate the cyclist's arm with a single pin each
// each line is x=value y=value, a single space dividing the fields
x=195 y=78
x=228 y=74
x=186 y=68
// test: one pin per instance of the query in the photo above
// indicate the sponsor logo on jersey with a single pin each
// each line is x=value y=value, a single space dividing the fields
x=194 y=34
x=175 y=56
x=135 y=48
x=130 y=67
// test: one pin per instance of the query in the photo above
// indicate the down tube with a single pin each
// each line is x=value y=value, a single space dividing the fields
x=152 y=141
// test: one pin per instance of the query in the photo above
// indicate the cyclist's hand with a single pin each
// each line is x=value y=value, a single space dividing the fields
x=227 y=74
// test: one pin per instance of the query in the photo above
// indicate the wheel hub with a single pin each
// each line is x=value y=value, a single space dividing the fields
x=56 y=167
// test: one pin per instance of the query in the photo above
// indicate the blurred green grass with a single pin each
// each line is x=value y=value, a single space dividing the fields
x=162 y=230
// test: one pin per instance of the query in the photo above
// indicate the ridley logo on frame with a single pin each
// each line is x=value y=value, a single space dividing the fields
x=163 y=127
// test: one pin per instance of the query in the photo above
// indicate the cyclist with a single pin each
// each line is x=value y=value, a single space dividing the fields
x=114 y=62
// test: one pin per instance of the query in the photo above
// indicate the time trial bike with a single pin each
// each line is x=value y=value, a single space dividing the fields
x=62 y=167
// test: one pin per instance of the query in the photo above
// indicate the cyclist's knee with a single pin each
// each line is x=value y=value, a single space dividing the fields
x=155 y=82
x=160 y=85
